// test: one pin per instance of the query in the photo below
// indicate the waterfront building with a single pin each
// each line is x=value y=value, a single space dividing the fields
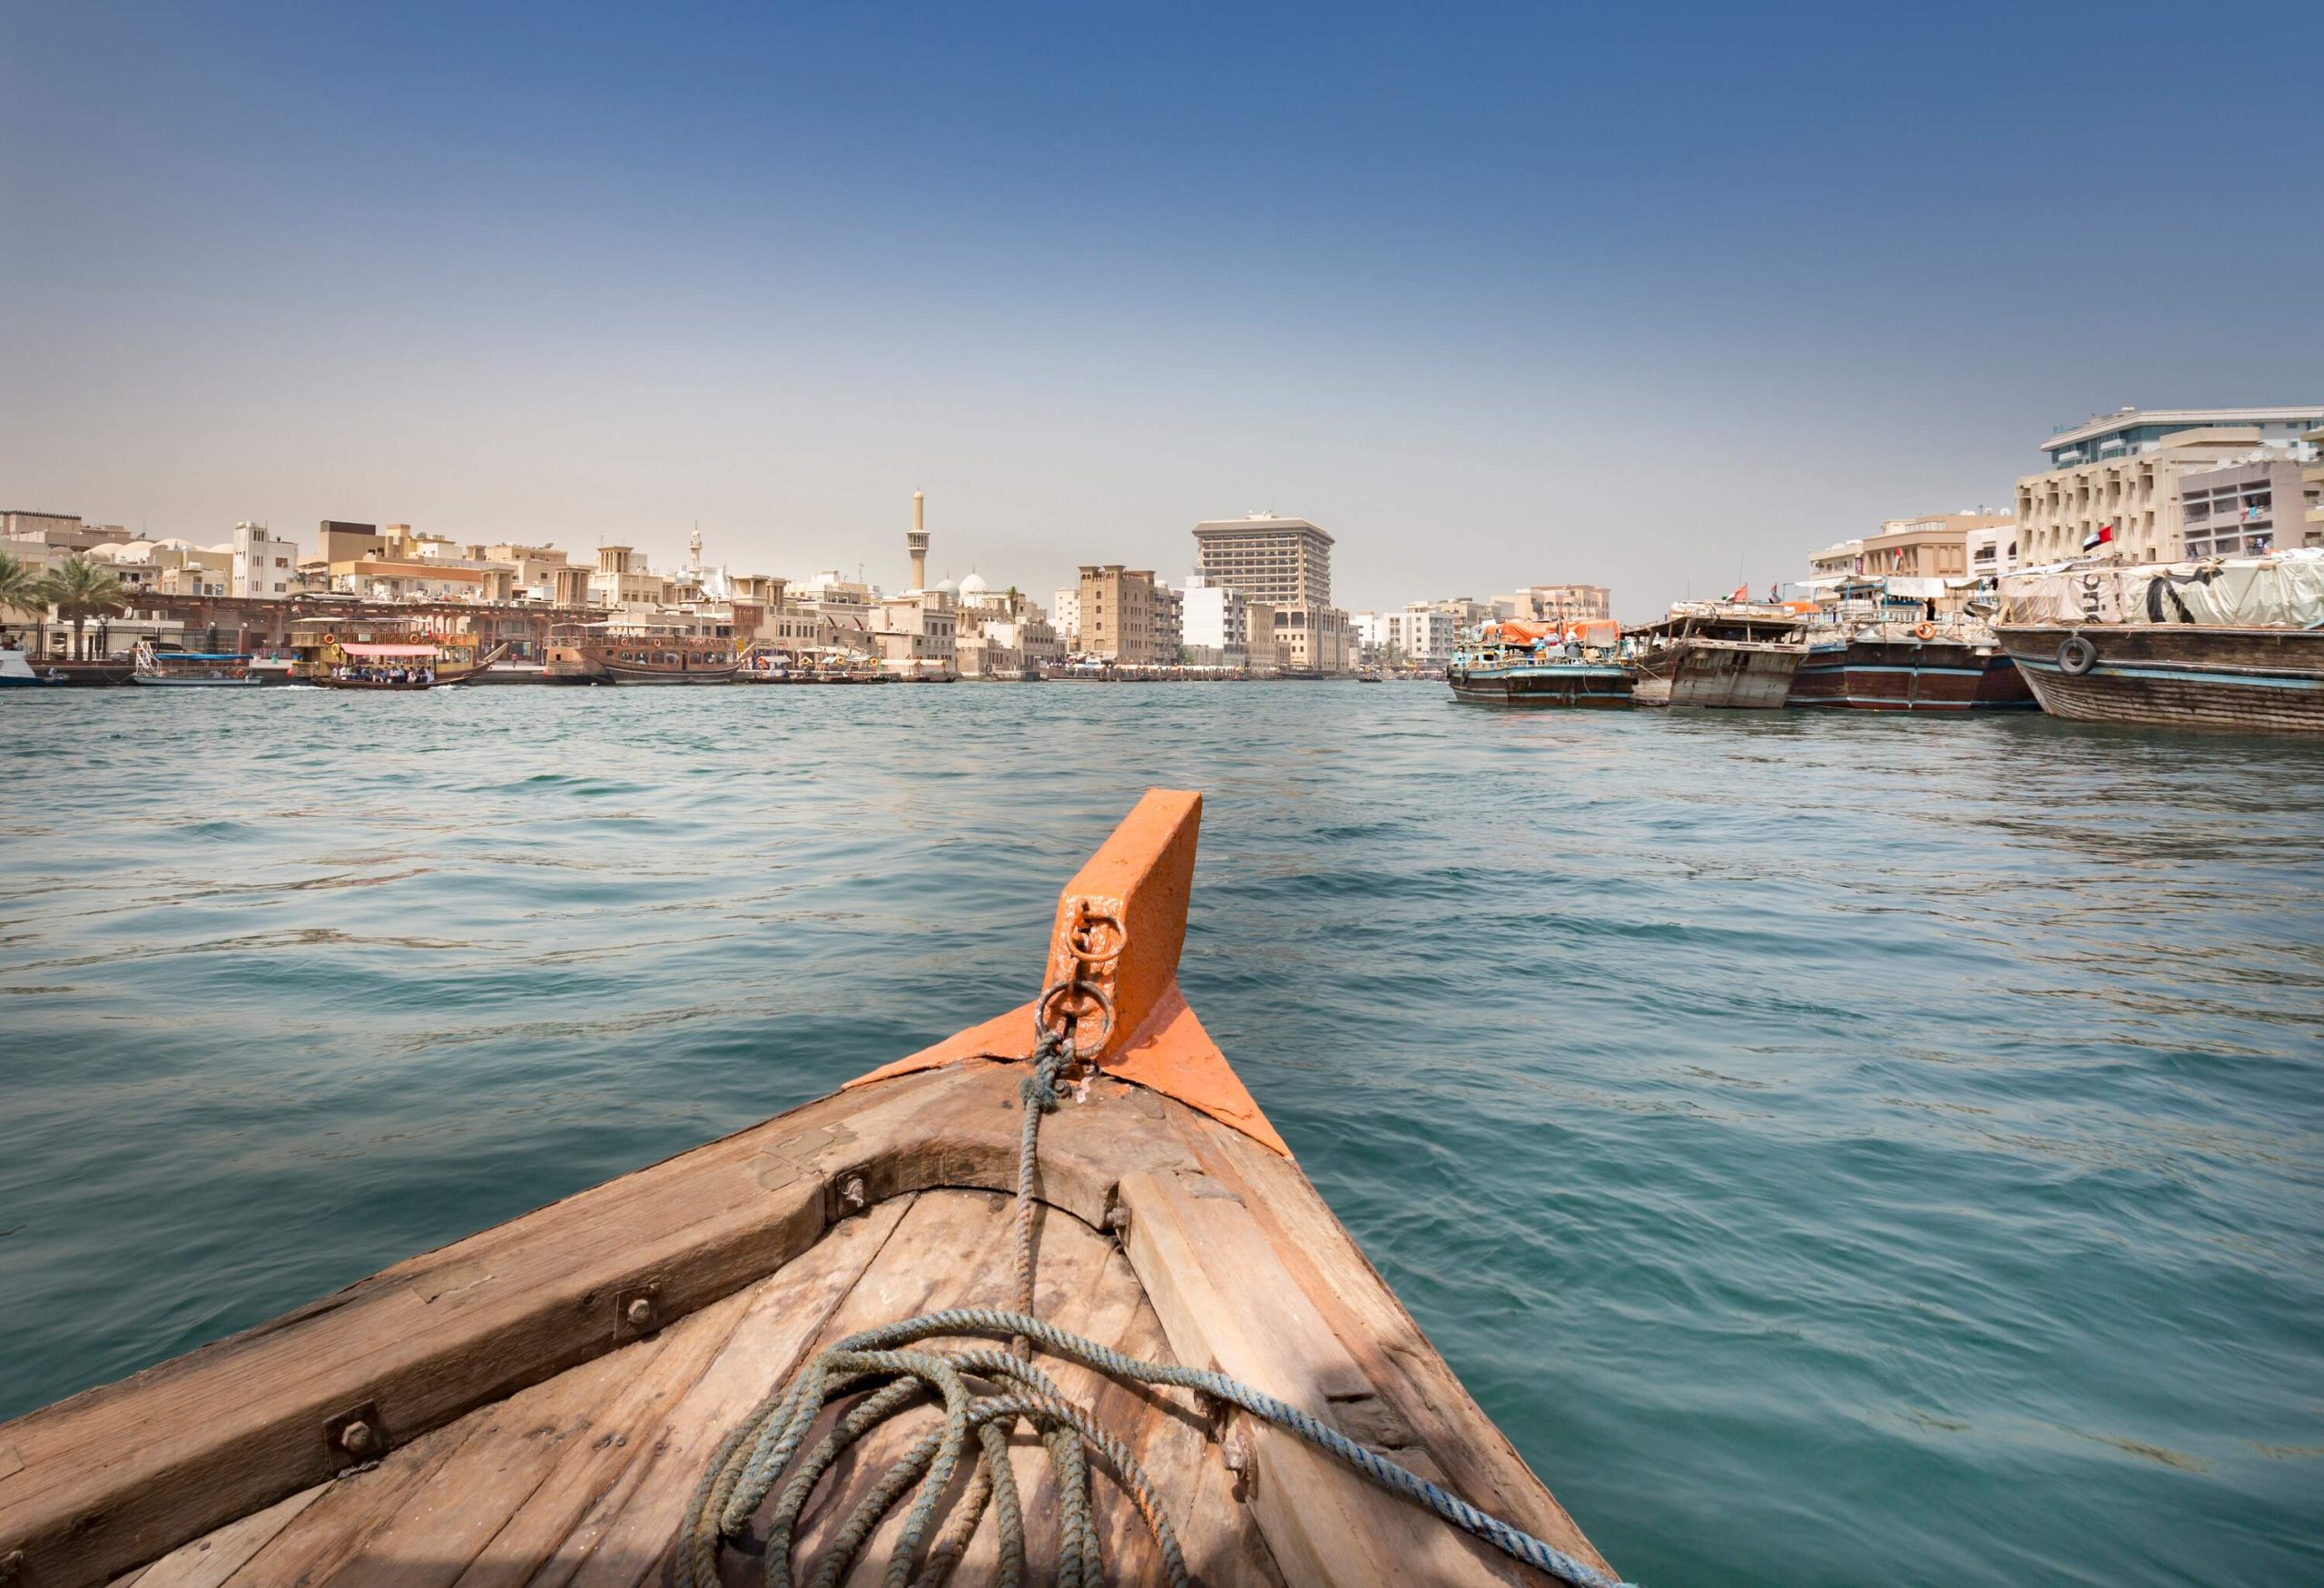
x=1170 y=621
x=2241 y=509
x=1215 y=622
x=1065 y=612
x=1011 y=621
x=2113 y=481
x=1117 y=615
x=1933 y=546
x=1264 y=650
x=264 y=566
x=917 y=634
x=1992 y=551
x=1286 y=563
x=623 y=579
x=1557 y=604
x=2312 y=489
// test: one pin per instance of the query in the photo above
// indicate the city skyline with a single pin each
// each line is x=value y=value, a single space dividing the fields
x=1662 y=307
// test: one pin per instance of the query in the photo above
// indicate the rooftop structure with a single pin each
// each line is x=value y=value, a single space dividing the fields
x=1263 y=558
x=2128 y=431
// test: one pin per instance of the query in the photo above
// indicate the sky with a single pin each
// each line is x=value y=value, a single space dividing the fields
x=1658 y=297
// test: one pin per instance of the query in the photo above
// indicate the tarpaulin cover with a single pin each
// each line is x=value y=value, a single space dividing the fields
x=2285 y=590
x=357 y=650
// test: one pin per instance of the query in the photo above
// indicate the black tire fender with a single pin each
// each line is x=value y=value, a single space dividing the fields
x=2076 y=656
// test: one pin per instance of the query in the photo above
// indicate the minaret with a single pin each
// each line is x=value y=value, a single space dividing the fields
x=917 y=541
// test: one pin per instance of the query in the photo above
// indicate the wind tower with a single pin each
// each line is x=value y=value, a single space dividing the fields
x=916 y=542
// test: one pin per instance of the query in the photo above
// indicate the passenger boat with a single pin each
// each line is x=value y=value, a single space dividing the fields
x=2235 y=645
x=618 y=1388
x=199 y=669
x=384 y=654
x=1516 y=662
x=640 y=650
x=1722 y=655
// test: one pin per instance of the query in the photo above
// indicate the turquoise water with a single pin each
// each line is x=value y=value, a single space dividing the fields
x=1836 y=1149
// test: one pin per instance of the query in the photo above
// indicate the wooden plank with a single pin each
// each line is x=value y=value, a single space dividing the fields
x=509 y=1450
x=209 y=1561
x=1227 y=1300
x=122 y=1474
x=624 y=1429
x=332 y=1531
x=621 y=1537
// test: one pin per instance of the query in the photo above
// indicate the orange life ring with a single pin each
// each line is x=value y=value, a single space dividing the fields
x=331 y=639
x=1924 y=631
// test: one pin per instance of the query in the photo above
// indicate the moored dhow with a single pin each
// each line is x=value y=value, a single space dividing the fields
x=2235 y=645
x=1734 y=655
x=723 y=1363
x=200 y=669
x=1884 y=644
x=1515 y=663
x=665 y=648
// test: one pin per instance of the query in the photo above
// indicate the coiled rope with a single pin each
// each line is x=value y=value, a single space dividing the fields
x=763 y=1451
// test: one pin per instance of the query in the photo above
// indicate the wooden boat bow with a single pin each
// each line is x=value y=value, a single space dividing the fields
x=536 y=1403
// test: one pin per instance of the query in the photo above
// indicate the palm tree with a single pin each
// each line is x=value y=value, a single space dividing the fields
x=20 y=588
x=81 y=590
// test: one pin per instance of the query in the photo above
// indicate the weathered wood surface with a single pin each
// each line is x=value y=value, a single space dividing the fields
x=535 y=1439
x=2178 y=675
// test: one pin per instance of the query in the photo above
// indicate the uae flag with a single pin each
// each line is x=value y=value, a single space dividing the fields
x=2098 y=537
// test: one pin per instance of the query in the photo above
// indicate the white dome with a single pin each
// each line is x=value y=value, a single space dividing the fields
x=107 y=551
x=948 y=588
x=974 y=585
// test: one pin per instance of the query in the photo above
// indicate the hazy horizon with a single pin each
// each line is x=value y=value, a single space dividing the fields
x=1497 y=297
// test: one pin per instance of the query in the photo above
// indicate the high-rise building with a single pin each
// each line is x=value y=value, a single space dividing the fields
x=1286 y=565
x=2112 y=484
x=1285 y=561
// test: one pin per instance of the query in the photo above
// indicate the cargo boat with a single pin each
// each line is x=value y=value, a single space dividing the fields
x=617 y=1387
x=2234 y=644
x=2251 y=680
x=1513 y=662
x=1726 y=656
x=1895 y=667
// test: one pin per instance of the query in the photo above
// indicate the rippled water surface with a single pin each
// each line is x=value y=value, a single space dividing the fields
x=1836 y=1149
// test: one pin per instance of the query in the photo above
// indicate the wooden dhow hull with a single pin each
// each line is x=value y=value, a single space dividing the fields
x=1724 y=674
x=537 y=1402
x=1875 y=674
x=1590 y=685
x=2175 y=676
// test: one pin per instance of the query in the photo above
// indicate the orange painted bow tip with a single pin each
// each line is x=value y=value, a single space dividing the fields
x=1114 y=947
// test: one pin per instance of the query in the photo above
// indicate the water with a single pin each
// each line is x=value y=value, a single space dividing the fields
x=1835 y=1150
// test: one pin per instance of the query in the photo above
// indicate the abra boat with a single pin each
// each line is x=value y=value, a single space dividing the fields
x=199 y=669
x=1880 y=645
x=390 y=654
x=2235 y=645
x=674 y=650
x=1721 y=655
x=629 y=1385
x=1515 y=663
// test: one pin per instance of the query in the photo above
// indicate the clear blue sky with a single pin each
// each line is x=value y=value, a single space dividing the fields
x=1640 y=295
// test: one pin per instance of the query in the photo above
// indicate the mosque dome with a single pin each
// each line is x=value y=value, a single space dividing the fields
x=974 y=585
x=948 y=588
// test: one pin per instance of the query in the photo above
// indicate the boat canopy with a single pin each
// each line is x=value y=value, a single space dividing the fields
x=406 y=651
x=1520 y=631
x=2284 y=590
x=201 y=655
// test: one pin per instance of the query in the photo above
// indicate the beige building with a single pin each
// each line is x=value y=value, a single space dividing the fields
x=1118 y=616
x=2312 y=489
x=1560 y=604
x=623 y=579
x=2242 y=509
x=1934 y=545
x=917 y=634
x=1286 y=565
x=2113 y=481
